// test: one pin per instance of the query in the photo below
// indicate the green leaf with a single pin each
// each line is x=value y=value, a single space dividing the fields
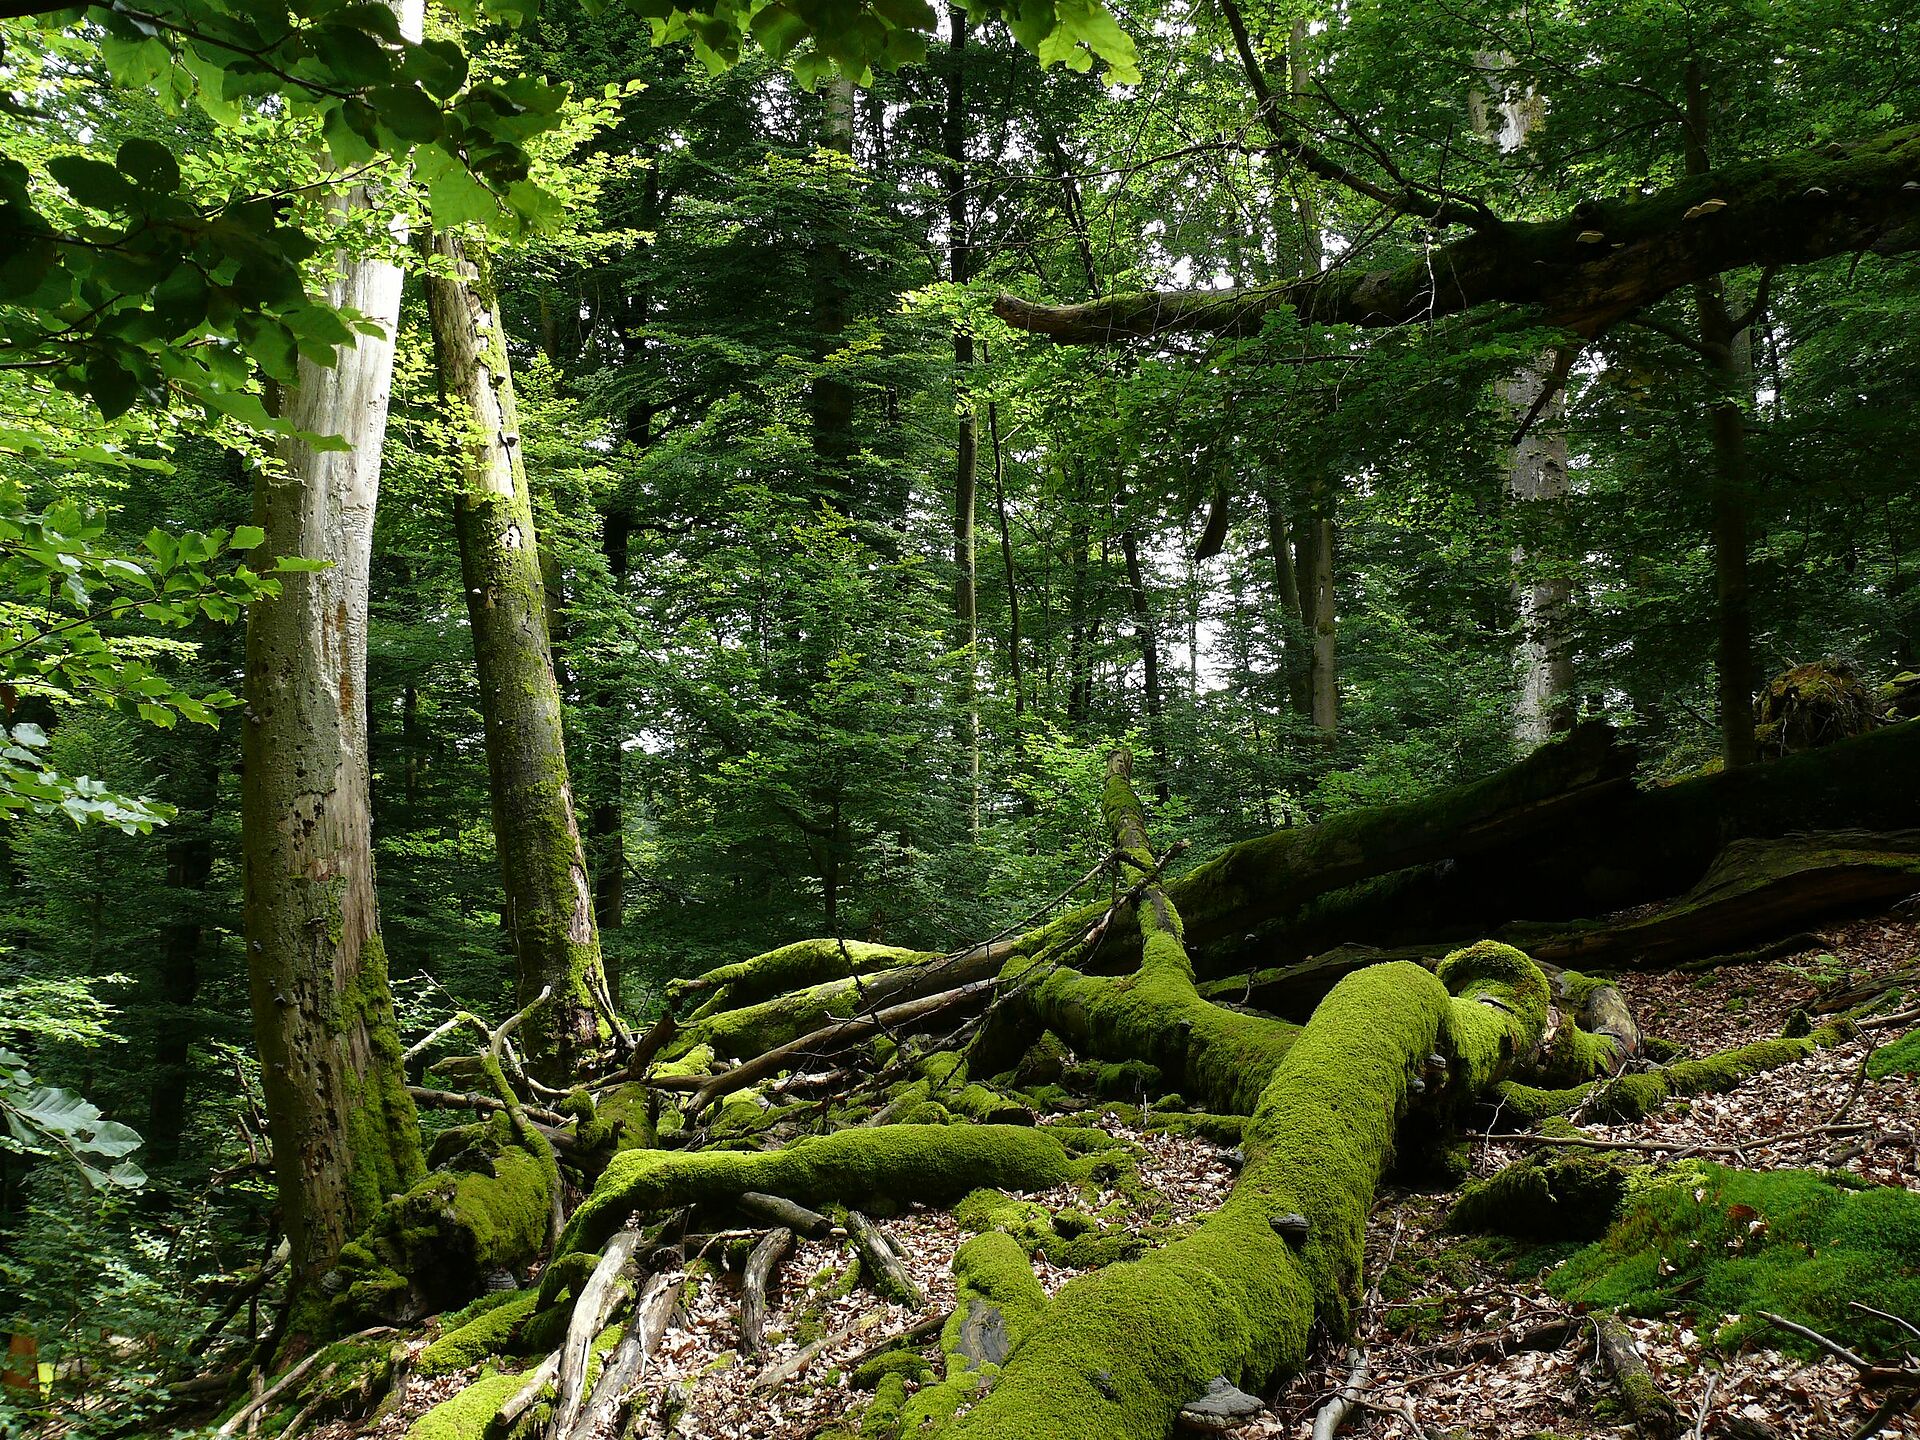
x=246 y=537
x=92 y=182
x=148 y=164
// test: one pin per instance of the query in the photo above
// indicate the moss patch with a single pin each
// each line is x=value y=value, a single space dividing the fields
x=1715 y=1243
x=485 y=1334
x=467 y=1415
x=1560 y=1195
x=1902 y=1057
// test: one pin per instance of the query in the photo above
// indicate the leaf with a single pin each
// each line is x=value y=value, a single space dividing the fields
x=246 y=537
x=148 y=164
x=92 y=182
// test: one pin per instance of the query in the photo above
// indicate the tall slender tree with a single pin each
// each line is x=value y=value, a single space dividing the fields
x=543 y=866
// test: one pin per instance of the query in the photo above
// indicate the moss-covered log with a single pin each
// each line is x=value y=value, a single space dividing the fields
x=1754 y=889
x=791 y=967
x=1119 y=1351
x=877 y=1169
x=1632 y=847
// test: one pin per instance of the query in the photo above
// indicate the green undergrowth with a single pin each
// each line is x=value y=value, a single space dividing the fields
x=1720 y=1245
x=466 y=1416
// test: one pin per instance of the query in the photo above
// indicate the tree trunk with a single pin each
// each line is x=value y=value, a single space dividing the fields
x=549 y=906
x=830 y=399
x=1006 y=560
x=1141 y=604
x=1536 y=474
x=1287 y=587
x=1537 y=479
x=967 y=451
x=1731 y=356
x=344 y=1131
x=1318 y=597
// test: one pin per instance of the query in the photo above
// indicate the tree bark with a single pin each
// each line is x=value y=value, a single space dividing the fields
x=1537 y=478
x=343 y=1127
x=1789 y=210
x=1292 y=625
x=966 y=468
x=1730 y=353
x=1141 y=604
x=543 y=866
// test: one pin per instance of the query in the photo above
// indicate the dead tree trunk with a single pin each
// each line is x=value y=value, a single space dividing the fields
x=543 y=868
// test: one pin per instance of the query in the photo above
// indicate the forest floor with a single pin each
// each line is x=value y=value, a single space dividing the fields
x=1439 y=1292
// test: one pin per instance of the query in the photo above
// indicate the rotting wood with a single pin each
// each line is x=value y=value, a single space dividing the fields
x=761 y=1264
x=610 y=1284
x=1653 y=1414
x=627 y=1366
x=885 y=1269
x=784 y=1212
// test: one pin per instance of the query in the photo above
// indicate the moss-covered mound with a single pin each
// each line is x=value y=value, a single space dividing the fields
x=1560 y=1195
x=1723 y=1245
x=1902 y=1057
x=1813 y=705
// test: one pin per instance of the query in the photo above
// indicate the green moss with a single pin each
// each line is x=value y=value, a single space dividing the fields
x=1902 y=1057
x=923 y=1162
x=467 y=1415
x=1499 y=975
x=1714 y=1243
x=909 y=1363
x=808 y=962
x=480 y=1337
x=1118 y=1351
x=1569 y=1194
x=882 y=1420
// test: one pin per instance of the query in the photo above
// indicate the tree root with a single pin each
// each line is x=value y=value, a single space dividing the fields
x=1634 y=1095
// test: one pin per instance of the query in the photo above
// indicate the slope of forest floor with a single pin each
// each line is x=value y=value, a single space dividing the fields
x=1440 y=1292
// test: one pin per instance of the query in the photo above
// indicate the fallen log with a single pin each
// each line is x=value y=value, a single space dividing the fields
x=837 y=1036
x=885 y=1270
x=761 y=1263
x=1653 y=1414
x=607 y=1287
x=785 y=1213
x=1754 y=888
x=612 y=1392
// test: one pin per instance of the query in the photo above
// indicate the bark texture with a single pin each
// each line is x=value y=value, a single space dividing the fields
x=543 y=867
x=343 y=1127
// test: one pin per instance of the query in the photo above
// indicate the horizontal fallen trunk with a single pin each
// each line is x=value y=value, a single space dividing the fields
x=1754 y=888
x=930 y=1163
x=1632 y=847
x=1605 y=261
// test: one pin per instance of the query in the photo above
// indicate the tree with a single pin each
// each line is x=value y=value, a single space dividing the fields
x=543 y=868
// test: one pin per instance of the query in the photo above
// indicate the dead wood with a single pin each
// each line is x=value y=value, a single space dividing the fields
x=885 y=1270
x=761 y=1264
x=610 y=1284
x=1652 y=1412
x=784 y=1212
x=626 y=1367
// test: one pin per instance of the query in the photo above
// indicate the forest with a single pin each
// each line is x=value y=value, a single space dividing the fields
x=998 y=719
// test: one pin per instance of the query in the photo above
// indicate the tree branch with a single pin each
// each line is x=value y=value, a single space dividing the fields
x=1606 y=261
